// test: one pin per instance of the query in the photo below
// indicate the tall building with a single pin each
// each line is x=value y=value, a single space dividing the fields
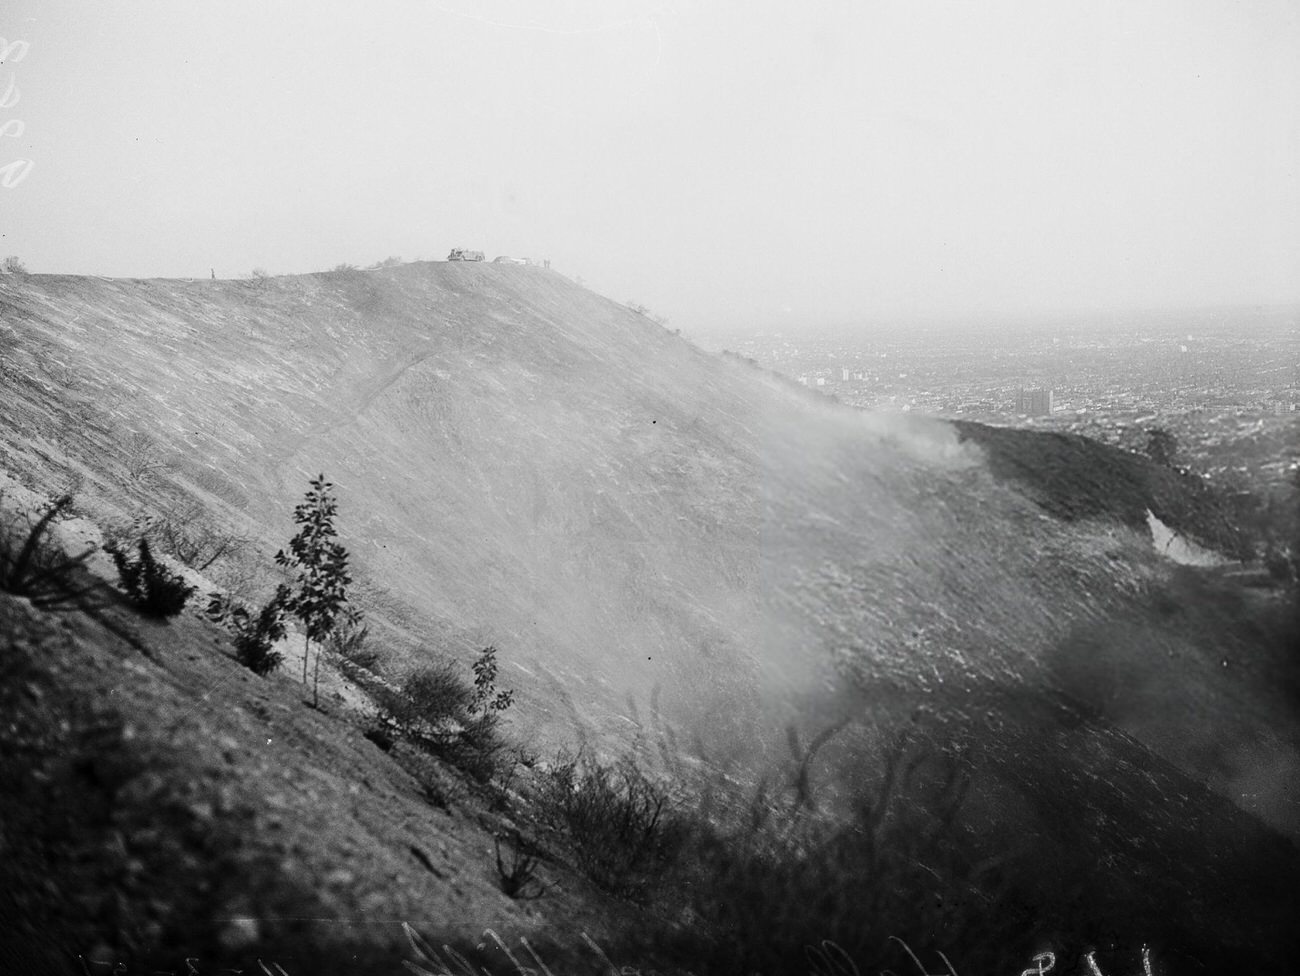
x=1034 y=403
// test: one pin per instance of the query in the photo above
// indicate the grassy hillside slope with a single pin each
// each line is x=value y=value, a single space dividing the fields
x=523 y=463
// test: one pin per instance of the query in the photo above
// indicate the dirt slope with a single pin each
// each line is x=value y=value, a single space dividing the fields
x=162 y=802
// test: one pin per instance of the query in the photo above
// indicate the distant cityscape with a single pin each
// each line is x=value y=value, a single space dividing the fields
x=1226 y=384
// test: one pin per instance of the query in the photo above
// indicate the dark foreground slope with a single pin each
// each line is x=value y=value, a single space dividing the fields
x=161 y=804
x=523 y=463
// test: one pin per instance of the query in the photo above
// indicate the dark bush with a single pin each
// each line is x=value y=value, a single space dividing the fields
x=382 y=733
x=155 y=591
x=521 y=872
x=765 y=877
x=33 y=566
x=254 y=634
x=616 y=819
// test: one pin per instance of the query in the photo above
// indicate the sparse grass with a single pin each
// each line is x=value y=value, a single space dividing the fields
x=350 y=640
x=155 y=591
x=34 y=566
x=193 y=536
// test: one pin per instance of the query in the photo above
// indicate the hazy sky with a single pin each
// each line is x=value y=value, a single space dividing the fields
x=721 y=162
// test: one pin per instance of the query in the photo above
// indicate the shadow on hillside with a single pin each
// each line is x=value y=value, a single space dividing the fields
x=996 y=825
x=991 y=822
x=1073 y=477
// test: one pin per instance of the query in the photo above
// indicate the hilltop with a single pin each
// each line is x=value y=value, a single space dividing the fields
x=639 y=528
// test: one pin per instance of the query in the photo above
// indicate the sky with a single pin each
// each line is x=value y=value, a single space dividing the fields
x=727 y=164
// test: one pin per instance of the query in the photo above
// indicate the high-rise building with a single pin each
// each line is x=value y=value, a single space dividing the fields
x=1034 y=403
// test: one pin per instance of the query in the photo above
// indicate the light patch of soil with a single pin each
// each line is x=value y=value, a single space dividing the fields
x=1173 y=546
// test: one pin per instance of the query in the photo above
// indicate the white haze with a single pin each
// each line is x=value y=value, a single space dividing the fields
x=724 y=163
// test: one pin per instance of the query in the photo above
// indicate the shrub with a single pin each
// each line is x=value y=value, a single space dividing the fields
x=142 y=456
x=33 y=566
x=349 y=640
x=440 y=712
x=769 y=877
x=254 y=634
x=382 y=732
x=154 y=590
x=616 y=819
x=192 y=535
x=14 y=265
x=522 y=872
x=438 y=697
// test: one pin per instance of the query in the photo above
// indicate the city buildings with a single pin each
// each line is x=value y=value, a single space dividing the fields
x=1033 y=403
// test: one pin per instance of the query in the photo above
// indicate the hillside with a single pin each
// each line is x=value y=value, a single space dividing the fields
x=525 y=464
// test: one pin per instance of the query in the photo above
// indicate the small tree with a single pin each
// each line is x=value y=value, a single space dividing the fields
x=14 y=265
x=320 y=591
x=486 y=697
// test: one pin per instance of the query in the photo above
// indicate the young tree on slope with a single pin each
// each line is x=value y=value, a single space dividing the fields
x=320 y=592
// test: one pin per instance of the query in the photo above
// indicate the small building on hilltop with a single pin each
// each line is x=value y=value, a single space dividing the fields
x=463 y=254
